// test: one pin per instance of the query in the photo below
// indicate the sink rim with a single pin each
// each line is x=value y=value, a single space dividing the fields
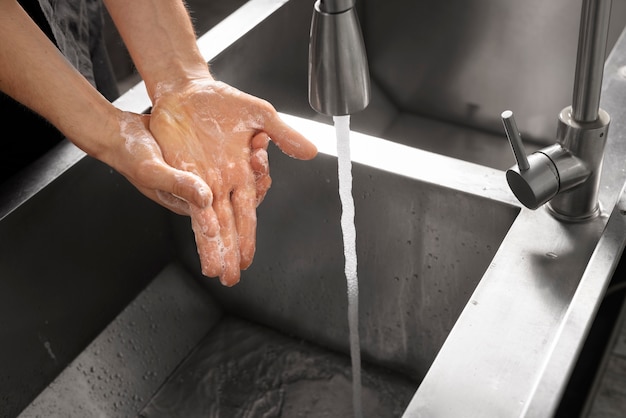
x=492 y=387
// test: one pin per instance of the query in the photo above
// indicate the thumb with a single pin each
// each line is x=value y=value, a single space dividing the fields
x=182 y=184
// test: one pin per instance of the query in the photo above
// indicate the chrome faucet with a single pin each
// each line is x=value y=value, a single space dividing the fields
x=567 y=174
x=339 y=82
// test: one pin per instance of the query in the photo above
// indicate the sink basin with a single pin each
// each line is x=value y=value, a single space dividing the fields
x=424 y=241
x=469 y=304
x=422 y=249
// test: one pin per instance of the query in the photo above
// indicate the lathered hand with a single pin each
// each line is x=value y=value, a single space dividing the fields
x=134 y=152
x=220 y=134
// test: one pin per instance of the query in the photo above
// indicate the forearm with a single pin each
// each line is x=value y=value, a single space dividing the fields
x=160 y=39
x=34 y=72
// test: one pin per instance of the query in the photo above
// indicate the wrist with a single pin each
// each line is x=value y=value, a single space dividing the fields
x=177 y=77
x=99 y=135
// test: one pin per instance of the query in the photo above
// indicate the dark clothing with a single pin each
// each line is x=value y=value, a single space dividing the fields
x=76 y=28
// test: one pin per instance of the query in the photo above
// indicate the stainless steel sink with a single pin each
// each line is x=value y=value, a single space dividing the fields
x=472 y=305
x=424 y=242
x=422 y=249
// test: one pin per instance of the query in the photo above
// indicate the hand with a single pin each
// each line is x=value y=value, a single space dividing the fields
x=137 y=156
x=220 y=134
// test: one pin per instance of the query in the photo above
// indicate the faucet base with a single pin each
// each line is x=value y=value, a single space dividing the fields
x=574 y=219
x=585 y=140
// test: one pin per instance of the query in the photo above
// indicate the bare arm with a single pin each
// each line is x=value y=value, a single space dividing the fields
x=35 y=73
x=160 y=39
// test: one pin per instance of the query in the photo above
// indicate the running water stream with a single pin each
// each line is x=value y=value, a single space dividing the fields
x=342 y=128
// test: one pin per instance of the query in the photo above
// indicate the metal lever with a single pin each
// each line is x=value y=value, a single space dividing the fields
x=535 y=179
x=515 y=139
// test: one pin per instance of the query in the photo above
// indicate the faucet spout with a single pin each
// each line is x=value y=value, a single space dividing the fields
x=339 y=81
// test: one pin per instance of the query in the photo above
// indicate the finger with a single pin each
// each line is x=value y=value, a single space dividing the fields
x=260 y=140
x=182 y=184
x=210 y=255
x=262 y=186
x=206 y=221
x=260 y=168
x=166 y=200
x=244 y=207
x=290 y=141
x=206 y=231
x=259 y=162
x=229 y=241
x=172 y=202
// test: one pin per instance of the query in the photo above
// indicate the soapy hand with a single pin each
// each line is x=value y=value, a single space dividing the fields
x=134 y=152
x=220 y=134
